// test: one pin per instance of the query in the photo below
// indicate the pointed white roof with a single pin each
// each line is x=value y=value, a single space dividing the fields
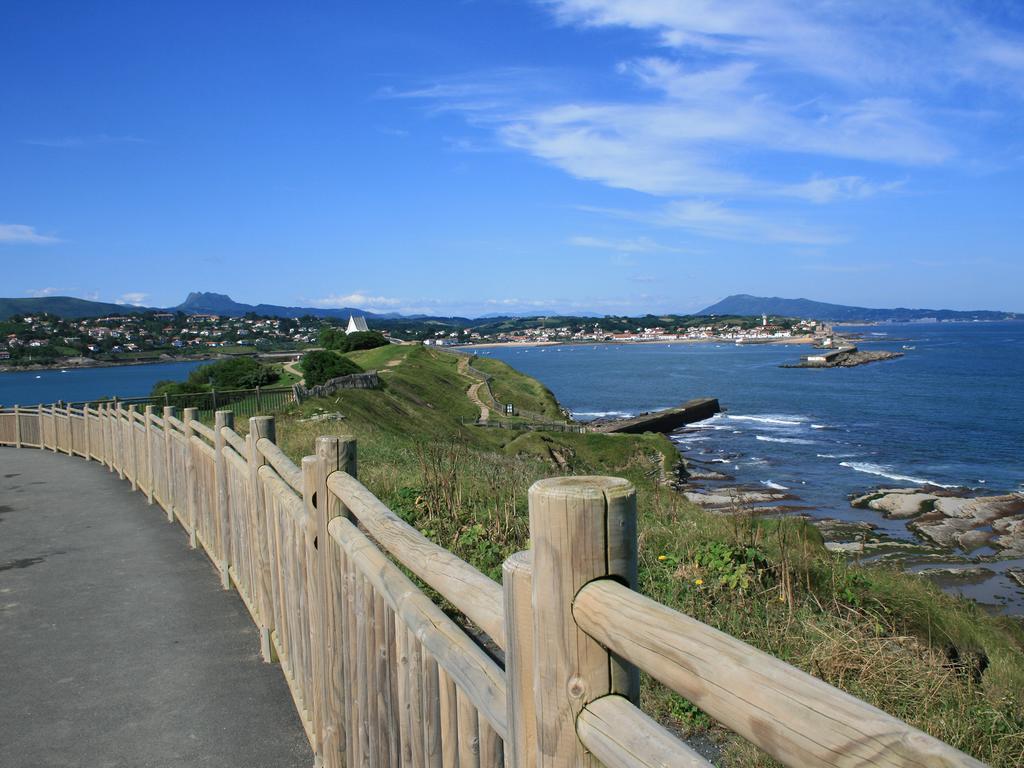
x=356 y=324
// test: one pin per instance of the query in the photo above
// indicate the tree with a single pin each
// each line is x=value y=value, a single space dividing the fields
x=338 y=340
x=234 y=373
x=323 y=365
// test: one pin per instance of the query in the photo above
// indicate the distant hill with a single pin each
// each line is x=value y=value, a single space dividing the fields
x=64 y=306
x=221 y=304
x=745 y=305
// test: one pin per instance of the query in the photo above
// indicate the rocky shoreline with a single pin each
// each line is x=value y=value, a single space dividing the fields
x=966 y=543
x=953 y=519
x=79 y=363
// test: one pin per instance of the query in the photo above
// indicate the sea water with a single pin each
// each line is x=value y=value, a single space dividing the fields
x=947 y=413
x=77 y=384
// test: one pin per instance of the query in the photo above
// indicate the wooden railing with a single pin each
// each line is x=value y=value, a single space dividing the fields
x=542 y=670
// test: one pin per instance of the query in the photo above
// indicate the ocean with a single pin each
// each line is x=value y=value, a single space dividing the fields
x=76 y=384
x=947 y=413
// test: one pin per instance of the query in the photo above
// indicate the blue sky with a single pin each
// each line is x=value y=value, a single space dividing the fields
x=616 y=156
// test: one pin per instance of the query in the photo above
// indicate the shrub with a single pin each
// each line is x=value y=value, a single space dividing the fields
x=339 y=341
x=321 y=366
x=234 y=373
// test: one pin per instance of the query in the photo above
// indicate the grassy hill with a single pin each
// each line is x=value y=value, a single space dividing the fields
x=895 y=640
x=63 y=306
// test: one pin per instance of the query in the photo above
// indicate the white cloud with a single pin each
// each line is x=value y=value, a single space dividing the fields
x=38 y=293
x=915 y=43
x=72 y=142
x=715 y=220
x=358 y=299
x=22 y=233
x=630 y=245
x=134 y=298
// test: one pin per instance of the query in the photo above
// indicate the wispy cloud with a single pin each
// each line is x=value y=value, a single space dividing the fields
x=39 y=293
x=134 y=298
x=22 y=233
x=357 y=299
x=628 y=245
x=711 y=219
x=72 y=142
x=752 y=102
x=917 y=43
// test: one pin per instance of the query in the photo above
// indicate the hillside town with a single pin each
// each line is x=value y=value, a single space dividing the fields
x=767 y=330
x=40 y=339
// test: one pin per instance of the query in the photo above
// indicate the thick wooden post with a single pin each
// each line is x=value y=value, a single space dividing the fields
x=582 y=529
x=149 y=454
x=333 y=454
x=117 y=432
x=104 y=435
x=517 y=579
x=88 y=435
x=169 y=501
x=191 y=481
x=53 y=422
x=17 y=427
x=260 y=427
x=71 y=431
x=220 y=420
x=133 y=452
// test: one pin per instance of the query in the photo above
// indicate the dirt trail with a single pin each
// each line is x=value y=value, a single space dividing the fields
x=473 y=393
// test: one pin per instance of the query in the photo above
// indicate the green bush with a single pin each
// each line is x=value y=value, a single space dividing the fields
x=339 y=341
x=321 y=366
x=232 y=373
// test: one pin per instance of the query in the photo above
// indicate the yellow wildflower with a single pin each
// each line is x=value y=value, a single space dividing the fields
x=662 y=557
x=698 y=582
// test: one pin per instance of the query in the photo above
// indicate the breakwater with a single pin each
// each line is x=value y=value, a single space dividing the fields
x=666 y=420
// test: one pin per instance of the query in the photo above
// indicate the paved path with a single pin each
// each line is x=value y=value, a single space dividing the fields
x=117 y=645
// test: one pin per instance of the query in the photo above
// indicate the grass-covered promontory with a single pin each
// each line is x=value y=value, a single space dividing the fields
x=940 y=663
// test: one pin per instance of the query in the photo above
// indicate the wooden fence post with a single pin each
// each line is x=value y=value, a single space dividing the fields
x=188 y=416
x=132 y=449
x=17 y=427
x=88 y=436
x=149 y=454
x=169 y=412
x=220 y=420
x=517 y=579
x=260 y=427
x=118 y=434
x=71 y=430
x=582 y=529
x=332 y=454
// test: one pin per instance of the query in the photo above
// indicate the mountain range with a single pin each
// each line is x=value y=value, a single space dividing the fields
x=736 y=305
x=746 y=305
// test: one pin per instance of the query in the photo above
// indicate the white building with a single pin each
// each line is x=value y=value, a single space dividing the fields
x=356 y=324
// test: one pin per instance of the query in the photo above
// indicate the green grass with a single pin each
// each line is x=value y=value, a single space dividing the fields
x=884 y=636
x=525 y=392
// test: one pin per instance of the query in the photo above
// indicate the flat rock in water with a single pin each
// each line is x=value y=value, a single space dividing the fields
x=726 y=497
x=902 y=504
x=971 y=523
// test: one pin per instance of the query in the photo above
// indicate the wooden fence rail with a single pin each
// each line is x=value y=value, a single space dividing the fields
x=381 y=676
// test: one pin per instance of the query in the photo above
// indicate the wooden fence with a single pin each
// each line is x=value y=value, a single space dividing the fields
x=381 y=676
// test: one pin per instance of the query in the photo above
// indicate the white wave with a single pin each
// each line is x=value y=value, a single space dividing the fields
x=820 y=426
x=783 y=420
x=794 y=440
x=835 y=455
x=889 y=473
x=599 y=414
x=774 y=486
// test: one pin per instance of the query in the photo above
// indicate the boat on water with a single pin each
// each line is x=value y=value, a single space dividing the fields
x=908 y=346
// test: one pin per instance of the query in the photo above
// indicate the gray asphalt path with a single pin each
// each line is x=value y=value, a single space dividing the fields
x=117 y=645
